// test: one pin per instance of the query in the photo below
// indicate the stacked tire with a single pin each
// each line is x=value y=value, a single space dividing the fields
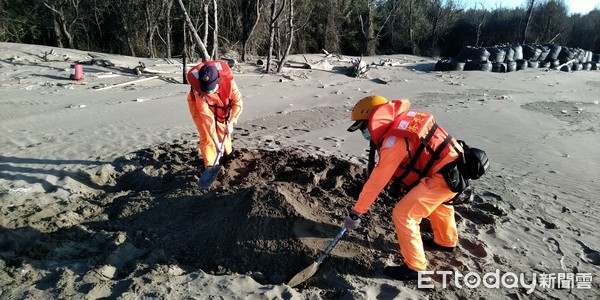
x=576 y=59
x=469 y=59
x=516 y=57
x=449 y=65
x=497 y=58
x=595 y=63
x=475 y=58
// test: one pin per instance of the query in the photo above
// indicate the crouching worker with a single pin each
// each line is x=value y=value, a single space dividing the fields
x=215 y=105
x=413 y=151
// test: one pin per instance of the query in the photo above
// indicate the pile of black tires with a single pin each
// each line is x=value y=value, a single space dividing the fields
x=512 y=58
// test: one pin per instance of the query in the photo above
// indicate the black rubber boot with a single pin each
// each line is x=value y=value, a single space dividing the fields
x=403 y=273
x=429 y=243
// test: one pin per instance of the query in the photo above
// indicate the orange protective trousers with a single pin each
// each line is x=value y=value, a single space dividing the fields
x=424 y=200
x=200 y=112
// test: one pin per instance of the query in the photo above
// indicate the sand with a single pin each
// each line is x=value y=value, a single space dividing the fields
x=99 y=198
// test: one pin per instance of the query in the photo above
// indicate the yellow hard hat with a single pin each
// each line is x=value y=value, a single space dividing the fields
x=362 y=110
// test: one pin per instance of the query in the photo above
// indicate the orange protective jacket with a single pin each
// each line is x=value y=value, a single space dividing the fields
x=223 y=106
x=211 y=112
x=411 y=146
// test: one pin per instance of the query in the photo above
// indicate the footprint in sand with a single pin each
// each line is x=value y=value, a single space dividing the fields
x=492 y=195
x=472 y=248
x=589 y=255
x=553 y=245
x=337 y=141
x=481 y=214
x=547 y=225
x=388 y=291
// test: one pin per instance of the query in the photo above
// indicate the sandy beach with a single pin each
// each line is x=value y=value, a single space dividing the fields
x=99 y=198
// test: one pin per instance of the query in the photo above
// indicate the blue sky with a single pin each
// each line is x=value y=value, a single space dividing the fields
x=575 y=6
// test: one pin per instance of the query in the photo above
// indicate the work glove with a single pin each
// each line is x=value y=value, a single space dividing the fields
x=229 y=128
x=219 y=147
x=352 y=221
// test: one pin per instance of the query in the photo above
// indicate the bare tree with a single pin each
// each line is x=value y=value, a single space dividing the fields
x=530 y=4
x=62 y=28
x=275 y=13
x=550 y=21
x=478 y=21
x=167 y=5
x=201 y=46
x=411 y=24
x=332 y=35
x=184 y=56
x=151 y=21
x=367 y=27
x=123 y=7
x=440 y=17
x=215 y=50
x=205 y=8
x=251 y=18
x=290 y=39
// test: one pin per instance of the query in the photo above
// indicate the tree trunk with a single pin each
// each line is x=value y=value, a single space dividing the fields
x=290 y=37
x=215 y=51
x=128 y=36
x=61 y=23
x=411 y=31
x=530 y=4
x=184 y=56
x=150 y=26
x=248 y=33
x=440 y=22
x=201 y=46
x=66 y=32
x=277 y=46
x=434 y=25
x=370 y=37
x=273 y=21
x=331 y=41
x=168 y=28
x=57 y=33
x=206 y=23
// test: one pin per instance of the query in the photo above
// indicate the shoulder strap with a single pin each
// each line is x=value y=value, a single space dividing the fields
x=371 y=163
x=415 y=158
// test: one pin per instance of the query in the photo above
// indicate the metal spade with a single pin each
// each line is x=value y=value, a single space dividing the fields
x=210 y=174
x=312 y=269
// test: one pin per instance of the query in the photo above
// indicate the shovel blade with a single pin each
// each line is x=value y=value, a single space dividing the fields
x=304 y=275
x=208 y=176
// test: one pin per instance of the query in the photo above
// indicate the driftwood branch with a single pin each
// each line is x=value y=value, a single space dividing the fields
x=126 y=83
x=141 y=69
x=569 y=62
x=552 y=40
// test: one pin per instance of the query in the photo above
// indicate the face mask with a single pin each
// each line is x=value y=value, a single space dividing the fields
x=366 y=134
x=213 y=90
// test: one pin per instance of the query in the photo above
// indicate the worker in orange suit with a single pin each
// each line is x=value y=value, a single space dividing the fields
x=215 y=105
x=418 y=154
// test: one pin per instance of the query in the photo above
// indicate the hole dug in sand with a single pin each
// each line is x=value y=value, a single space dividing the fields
x=269 y=213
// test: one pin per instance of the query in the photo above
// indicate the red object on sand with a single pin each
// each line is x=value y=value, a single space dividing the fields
x=76 y=72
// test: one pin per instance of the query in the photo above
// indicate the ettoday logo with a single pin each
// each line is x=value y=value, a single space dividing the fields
x=508 y=280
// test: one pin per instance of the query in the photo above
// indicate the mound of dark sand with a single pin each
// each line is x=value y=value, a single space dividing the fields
x=269 y=214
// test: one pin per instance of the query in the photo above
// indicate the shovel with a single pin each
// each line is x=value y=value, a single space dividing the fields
x=312 y=269
x=210 y=174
